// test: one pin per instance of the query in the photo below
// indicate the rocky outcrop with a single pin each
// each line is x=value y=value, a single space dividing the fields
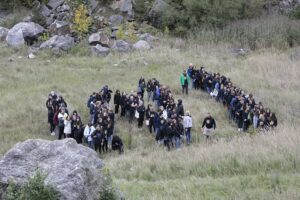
x=60 y=27
x=53 y=4
x=3 y=33
x=99 y=50
x=148 y=37
x=127 y=7
x=99 y=38
x=121 y=46
x=116 y=20
x=24 y=31
x=73 y=170
x=155 y=13
x=58 y=43
x=141 y=45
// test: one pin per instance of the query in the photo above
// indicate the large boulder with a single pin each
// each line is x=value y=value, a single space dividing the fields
x=155 y=13
x=99 y=50
x=3 y=33
x=141 y=45
x=99 y=38
x=15 y=38
x=60 y=27
x=23 y=31
x=148 y=37
x=53 y=4
x=116 y=20
x=72 y=169
x=121 y=46
x=127 y=7
x=59 y=43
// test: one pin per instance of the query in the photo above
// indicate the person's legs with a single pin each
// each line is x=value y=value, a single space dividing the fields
x=61 y=133
x=116 y=108
x=188 y=136
x=150 y=126
x=90 y=144
x=177 y=142
x=183 y=89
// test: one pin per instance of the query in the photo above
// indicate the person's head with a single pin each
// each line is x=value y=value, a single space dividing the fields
x=184 y=72
x=89 y=124
x=75 y=112
x=98 y=127
x=191 y=65
x=188 y=113
x=179 y=101
x=208 y=114
x=118 y=91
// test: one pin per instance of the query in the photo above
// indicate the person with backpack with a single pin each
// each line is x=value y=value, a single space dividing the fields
x=185 y=82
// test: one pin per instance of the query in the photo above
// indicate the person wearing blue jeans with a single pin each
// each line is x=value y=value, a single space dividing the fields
x=188 y=124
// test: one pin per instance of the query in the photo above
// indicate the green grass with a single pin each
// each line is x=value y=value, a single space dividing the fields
x=234 y=166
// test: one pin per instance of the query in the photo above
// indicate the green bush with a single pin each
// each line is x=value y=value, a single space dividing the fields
x=34 y=189
x=108 y=192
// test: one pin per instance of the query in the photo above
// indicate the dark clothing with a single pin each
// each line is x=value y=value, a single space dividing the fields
x=117 y=144
x=117 y=102
x=209 y=123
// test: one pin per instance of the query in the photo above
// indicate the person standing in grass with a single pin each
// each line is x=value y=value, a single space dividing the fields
x=208 y=126
x=185 y=82
x=117 y=101
x=67 y=127
x=188 y=124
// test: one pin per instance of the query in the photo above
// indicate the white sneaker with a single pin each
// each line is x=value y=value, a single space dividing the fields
x=53 y=133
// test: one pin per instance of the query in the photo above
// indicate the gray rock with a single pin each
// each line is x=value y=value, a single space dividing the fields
x=99 y=50
x=27 y=19
x=116 y=20
x=156 y=10
x=63 y=8
x=99 y=38
x=3 y=33
x=15 y=38
x=239 y=51
x=121 y=46
x=60 y=27
x=44 y=10
x=24 y=31
x=31 y=56
x=72 y=169
x=53 y=4
x=127 y=7
x=93 y=5
x=141 y=45
x=50 y=19
x=59 y=43
x=148 y=37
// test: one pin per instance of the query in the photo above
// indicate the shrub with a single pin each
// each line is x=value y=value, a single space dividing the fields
x=108 y=192
x=34 y=189
x=82 y=22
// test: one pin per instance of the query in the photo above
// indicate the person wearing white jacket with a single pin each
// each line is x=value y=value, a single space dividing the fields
x=188 y=124
x=89 y=129
x=67 y=127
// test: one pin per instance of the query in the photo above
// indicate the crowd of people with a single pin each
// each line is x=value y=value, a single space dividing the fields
x=242 y=108
x=164 y=118
x=69 y=125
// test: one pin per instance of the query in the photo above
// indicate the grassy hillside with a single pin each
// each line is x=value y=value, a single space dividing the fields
x=235 y=166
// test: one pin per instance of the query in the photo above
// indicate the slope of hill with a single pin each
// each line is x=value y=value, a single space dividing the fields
x=236 y=166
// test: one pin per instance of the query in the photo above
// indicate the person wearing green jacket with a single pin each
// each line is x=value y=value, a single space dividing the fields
x=185 y=82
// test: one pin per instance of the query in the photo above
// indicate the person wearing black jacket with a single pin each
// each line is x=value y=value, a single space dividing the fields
x=180 y=109
x=208 y=126
x=117 y=144
x=117 y=101
x=141 y=111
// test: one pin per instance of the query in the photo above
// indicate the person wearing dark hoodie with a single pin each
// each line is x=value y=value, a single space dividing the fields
x=141 y=111
x=180 y=109
x=208 y=126
x=117 y=144
x=117 y=101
